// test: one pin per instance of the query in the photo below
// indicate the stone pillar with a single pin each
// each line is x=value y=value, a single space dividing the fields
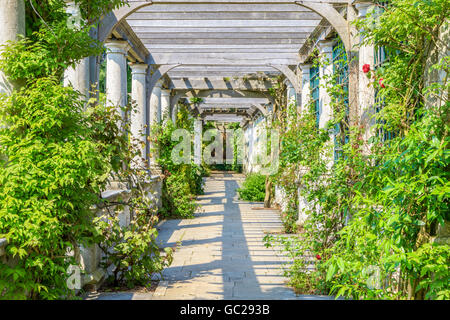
x=366 y=92
x=174 y=114
x=79 y=76
x=165 y=105
x=12 y=22
x=155 y=104
x=155 y=119
x=306 y=91
x=139 y=96
x=198 y=133
x=326 y=71
x=291 y=94
x=116 y=74
x=251 y=144
x=326 y=112
x=306 y=95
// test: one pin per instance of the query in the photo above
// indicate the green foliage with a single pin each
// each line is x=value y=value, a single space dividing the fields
x=58 y=154
x=196 y=100
x=132 y=250
x=374 y=215
x=178 y=201
x=51 y=176
x=253 y=188
x=289 y=219
x=305 y=272
x=182 y=182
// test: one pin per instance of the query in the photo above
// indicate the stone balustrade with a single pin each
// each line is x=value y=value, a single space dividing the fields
x=90 y=257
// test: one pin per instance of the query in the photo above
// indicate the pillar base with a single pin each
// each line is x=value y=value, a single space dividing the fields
x=155 y=169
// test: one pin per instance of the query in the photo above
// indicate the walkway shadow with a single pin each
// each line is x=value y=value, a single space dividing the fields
x=230 y=261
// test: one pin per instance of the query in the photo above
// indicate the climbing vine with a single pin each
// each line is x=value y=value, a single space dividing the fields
x=182 y=182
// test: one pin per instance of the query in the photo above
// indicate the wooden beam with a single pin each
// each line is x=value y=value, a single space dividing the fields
x=222 y=7
x=236 y=34
x=213 y=42
x=224 y=15
x=112 y=19
x=206 y=84
x=248 y=101
x=223 y=118
x=223 y=58
x=166 y=30
x=290 y=75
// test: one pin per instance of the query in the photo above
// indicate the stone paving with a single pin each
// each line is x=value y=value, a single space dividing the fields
x=222 y=253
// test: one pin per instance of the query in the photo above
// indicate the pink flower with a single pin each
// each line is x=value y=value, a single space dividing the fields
x=381 y=82
x=318 y=257
x=366 y=68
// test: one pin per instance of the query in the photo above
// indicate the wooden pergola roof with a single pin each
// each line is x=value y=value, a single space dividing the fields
x=224 y=44
x=222 y=40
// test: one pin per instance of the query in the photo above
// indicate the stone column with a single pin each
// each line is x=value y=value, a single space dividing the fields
x=12 y=22
x=366 y=92
x=165 y=105
x=174 y=114
x=155 y=119
x=155 y=104
x=251 y=143
x=139 y=96
x=116 y=74
x=325 y=72
x=306 y=95
x=198 y=133
x=79 y=76
x=306 y=91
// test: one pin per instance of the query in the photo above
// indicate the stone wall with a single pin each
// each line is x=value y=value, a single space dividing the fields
x=443 y=234
x=90 y=257
x=280 y=198
x=92 y=275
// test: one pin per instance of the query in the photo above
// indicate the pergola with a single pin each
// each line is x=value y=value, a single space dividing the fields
x=223 y=45
x=224 y=50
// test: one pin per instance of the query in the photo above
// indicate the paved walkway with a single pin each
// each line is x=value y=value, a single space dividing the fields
x=222 y=253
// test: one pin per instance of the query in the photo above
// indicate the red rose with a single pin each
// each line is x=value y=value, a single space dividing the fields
x=318 y=257
x=366 y=68
x=381 y=82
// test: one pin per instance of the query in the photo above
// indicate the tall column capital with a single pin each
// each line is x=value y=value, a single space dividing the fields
x=326 y=46
x=138 y=68
x=363 y=8
x=12 y=22
x=73 y=10
x=165 y=105
x=158 y=85
x=305 y=67
x=117 y=47
x=165 y=92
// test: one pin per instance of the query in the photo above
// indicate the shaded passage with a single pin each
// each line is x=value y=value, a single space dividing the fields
x=222 y=255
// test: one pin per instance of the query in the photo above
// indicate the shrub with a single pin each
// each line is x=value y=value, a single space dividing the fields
x=178 y=201
x=253 y=188
x=182 y=182
x=55 y=160
x=53 y=174
x=289 y=219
